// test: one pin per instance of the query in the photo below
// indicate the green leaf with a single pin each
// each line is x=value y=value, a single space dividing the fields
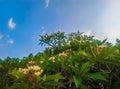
x=19 y=86
x=97 y=76
x=95 y=49
x=44 y=77
x=55 y=77
x=1 y=66
x=92 y=51
x=85 y=67
x=83 y=86
x=83 y=53
x=77 y=81
x=16 y=73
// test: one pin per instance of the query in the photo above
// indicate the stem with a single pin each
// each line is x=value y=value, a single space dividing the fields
x=108 y=67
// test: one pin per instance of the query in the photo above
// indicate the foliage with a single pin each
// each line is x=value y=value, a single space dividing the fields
x=5 y=78
x=72 y=61
x=53 y=39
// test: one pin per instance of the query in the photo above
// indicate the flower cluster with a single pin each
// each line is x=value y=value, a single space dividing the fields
x=63 y=54
x=52 y=59
x=102 y=47
x=31 y=62
x=35 y=69
x=41 y=62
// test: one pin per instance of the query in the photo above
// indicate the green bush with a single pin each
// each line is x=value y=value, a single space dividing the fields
x=71 y=61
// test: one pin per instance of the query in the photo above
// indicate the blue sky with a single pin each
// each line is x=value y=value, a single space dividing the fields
x=22 y=21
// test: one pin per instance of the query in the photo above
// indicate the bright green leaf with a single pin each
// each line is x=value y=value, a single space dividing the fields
x=98 y=76
x=77 y=81
x=85 y=68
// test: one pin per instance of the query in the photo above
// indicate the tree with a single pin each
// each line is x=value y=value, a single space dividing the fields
x=117 y=41
x=53 y=40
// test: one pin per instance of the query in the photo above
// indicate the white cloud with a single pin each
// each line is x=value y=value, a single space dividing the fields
x=11 y=41
x=1 y=36
x=109 y=22
x=11 y=24
x=47 y=3
x=88 y=33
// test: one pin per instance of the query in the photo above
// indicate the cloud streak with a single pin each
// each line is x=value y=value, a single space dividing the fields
x=11 y=24
x=1 y=36
x=10 y=41
x=47 y=3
